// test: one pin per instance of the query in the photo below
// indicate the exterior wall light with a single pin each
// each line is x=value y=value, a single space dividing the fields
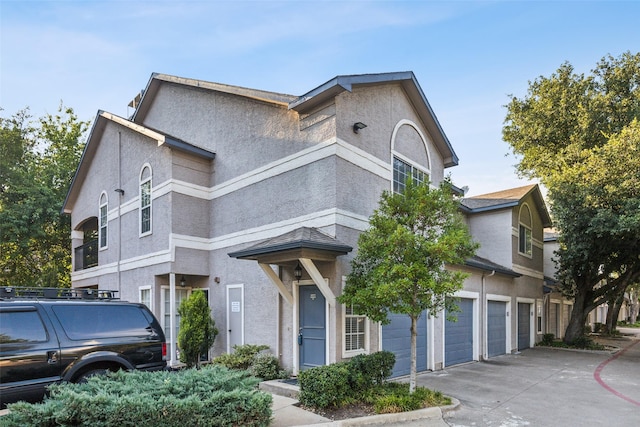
x=183 y=281
x=357 y=126
x=297 y=272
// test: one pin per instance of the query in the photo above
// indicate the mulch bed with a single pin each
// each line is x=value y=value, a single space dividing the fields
x=348 y=411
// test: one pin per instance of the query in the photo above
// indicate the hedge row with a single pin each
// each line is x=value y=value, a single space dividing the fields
x=334 y=384
x=212 y=396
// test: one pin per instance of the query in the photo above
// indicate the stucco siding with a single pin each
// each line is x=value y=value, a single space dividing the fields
x=492 y=231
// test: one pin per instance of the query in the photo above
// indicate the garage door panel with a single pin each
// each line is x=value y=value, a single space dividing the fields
x=458 y=340
x=524 y=325
x=496 y=328
x=396 y=338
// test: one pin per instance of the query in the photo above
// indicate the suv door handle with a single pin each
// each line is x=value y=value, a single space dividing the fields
x=52 y=357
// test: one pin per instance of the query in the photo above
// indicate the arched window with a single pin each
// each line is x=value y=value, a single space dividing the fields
x=145 y=200
x=103 y=221
x=524 y=231
x=410 y=155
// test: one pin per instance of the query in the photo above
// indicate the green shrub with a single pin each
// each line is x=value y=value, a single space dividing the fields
x=212 y=396
x=324 y=386
x=197 y=328
x=242 y=356
x=267 y=367
x=339 y=383
x=547 y=339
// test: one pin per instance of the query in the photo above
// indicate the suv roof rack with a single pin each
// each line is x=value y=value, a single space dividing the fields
x=11 y=292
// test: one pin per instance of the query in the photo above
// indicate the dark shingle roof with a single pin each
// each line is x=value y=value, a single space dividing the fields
x=485 y=264
x=300 y=238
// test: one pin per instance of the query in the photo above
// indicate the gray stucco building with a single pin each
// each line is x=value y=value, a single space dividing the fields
x=235 y=190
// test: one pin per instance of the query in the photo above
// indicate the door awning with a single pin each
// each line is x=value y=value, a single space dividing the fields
x=303 y=242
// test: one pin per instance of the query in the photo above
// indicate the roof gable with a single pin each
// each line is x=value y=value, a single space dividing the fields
x=157 y=79
x=505 y=199
x=410 y=85
x=93 y=141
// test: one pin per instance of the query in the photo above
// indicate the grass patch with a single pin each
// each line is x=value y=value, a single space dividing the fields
x=391 y=398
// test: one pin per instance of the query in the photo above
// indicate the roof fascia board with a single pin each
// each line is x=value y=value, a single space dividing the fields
x=98 y=126
x=494 y=207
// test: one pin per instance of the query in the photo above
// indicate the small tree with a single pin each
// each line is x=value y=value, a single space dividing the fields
x=197 y=329
x=400 y=265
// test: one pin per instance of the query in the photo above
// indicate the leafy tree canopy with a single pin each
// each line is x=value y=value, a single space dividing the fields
x=580 y=136
x=37 y=163
x=401 y=259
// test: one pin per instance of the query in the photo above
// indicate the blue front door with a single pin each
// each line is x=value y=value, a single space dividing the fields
x=312 y=334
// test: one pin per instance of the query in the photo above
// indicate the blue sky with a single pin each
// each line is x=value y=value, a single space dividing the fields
x=468 y=56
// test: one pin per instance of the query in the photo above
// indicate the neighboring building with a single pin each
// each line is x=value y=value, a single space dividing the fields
x=203 y=170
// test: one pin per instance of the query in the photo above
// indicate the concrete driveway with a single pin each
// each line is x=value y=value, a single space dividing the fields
x=546 y=387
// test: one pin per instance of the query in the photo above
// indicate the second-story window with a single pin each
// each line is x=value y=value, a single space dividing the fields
x=525 y=239
x=403 y=170
x=145 y=201
x=103 y=221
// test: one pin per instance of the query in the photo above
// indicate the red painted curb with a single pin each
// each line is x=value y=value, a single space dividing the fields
x=599 y=369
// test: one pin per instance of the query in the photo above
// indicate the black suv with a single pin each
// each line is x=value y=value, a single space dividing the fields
x=52 y=335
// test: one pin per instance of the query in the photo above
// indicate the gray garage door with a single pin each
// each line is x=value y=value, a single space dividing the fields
x=396 y=338
x=524 y=325
x=458 y=336
x=496 y=328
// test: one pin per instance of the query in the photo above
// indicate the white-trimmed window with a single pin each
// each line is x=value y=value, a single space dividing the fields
x=525 y=246
x=539 y=316
x=525 y=238
x=403 y=170
x=181 y=294
x=355 y=332
x=145 y=296
x=145 y=200
x=103 y=221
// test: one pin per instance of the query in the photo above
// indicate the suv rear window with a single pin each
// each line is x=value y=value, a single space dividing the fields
x=21 y=327
x=90 y=321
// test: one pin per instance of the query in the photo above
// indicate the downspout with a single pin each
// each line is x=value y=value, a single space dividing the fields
x=485 y=316
x=120 y=195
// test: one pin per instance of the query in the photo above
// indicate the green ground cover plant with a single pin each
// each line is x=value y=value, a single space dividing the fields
x=251 y=357
x=211 y=396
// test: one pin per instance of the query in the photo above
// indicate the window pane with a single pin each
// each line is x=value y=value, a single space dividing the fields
x=87 y=322
x=20 y=327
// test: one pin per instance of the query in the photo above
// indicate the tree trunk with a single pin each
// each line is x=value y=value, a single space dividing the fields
x=414 y=350
x=613 y=311
x=581 y=309
x=635 y=306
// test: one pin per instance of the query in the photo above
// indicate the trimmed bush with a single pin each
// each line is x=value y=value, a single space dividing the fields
x=336 y=384
x=367 y=370
x=242 y=356
x=324 y=386
x=212 y=396
x=267 y=367
x=547 y=339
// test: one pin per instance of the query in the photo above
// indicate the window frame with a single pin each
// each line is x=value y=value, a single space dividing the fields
x=141 y=289
x=103 y=242
x=146 y=183
x=396 y=185
x=525 y=232
x=365 y=333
